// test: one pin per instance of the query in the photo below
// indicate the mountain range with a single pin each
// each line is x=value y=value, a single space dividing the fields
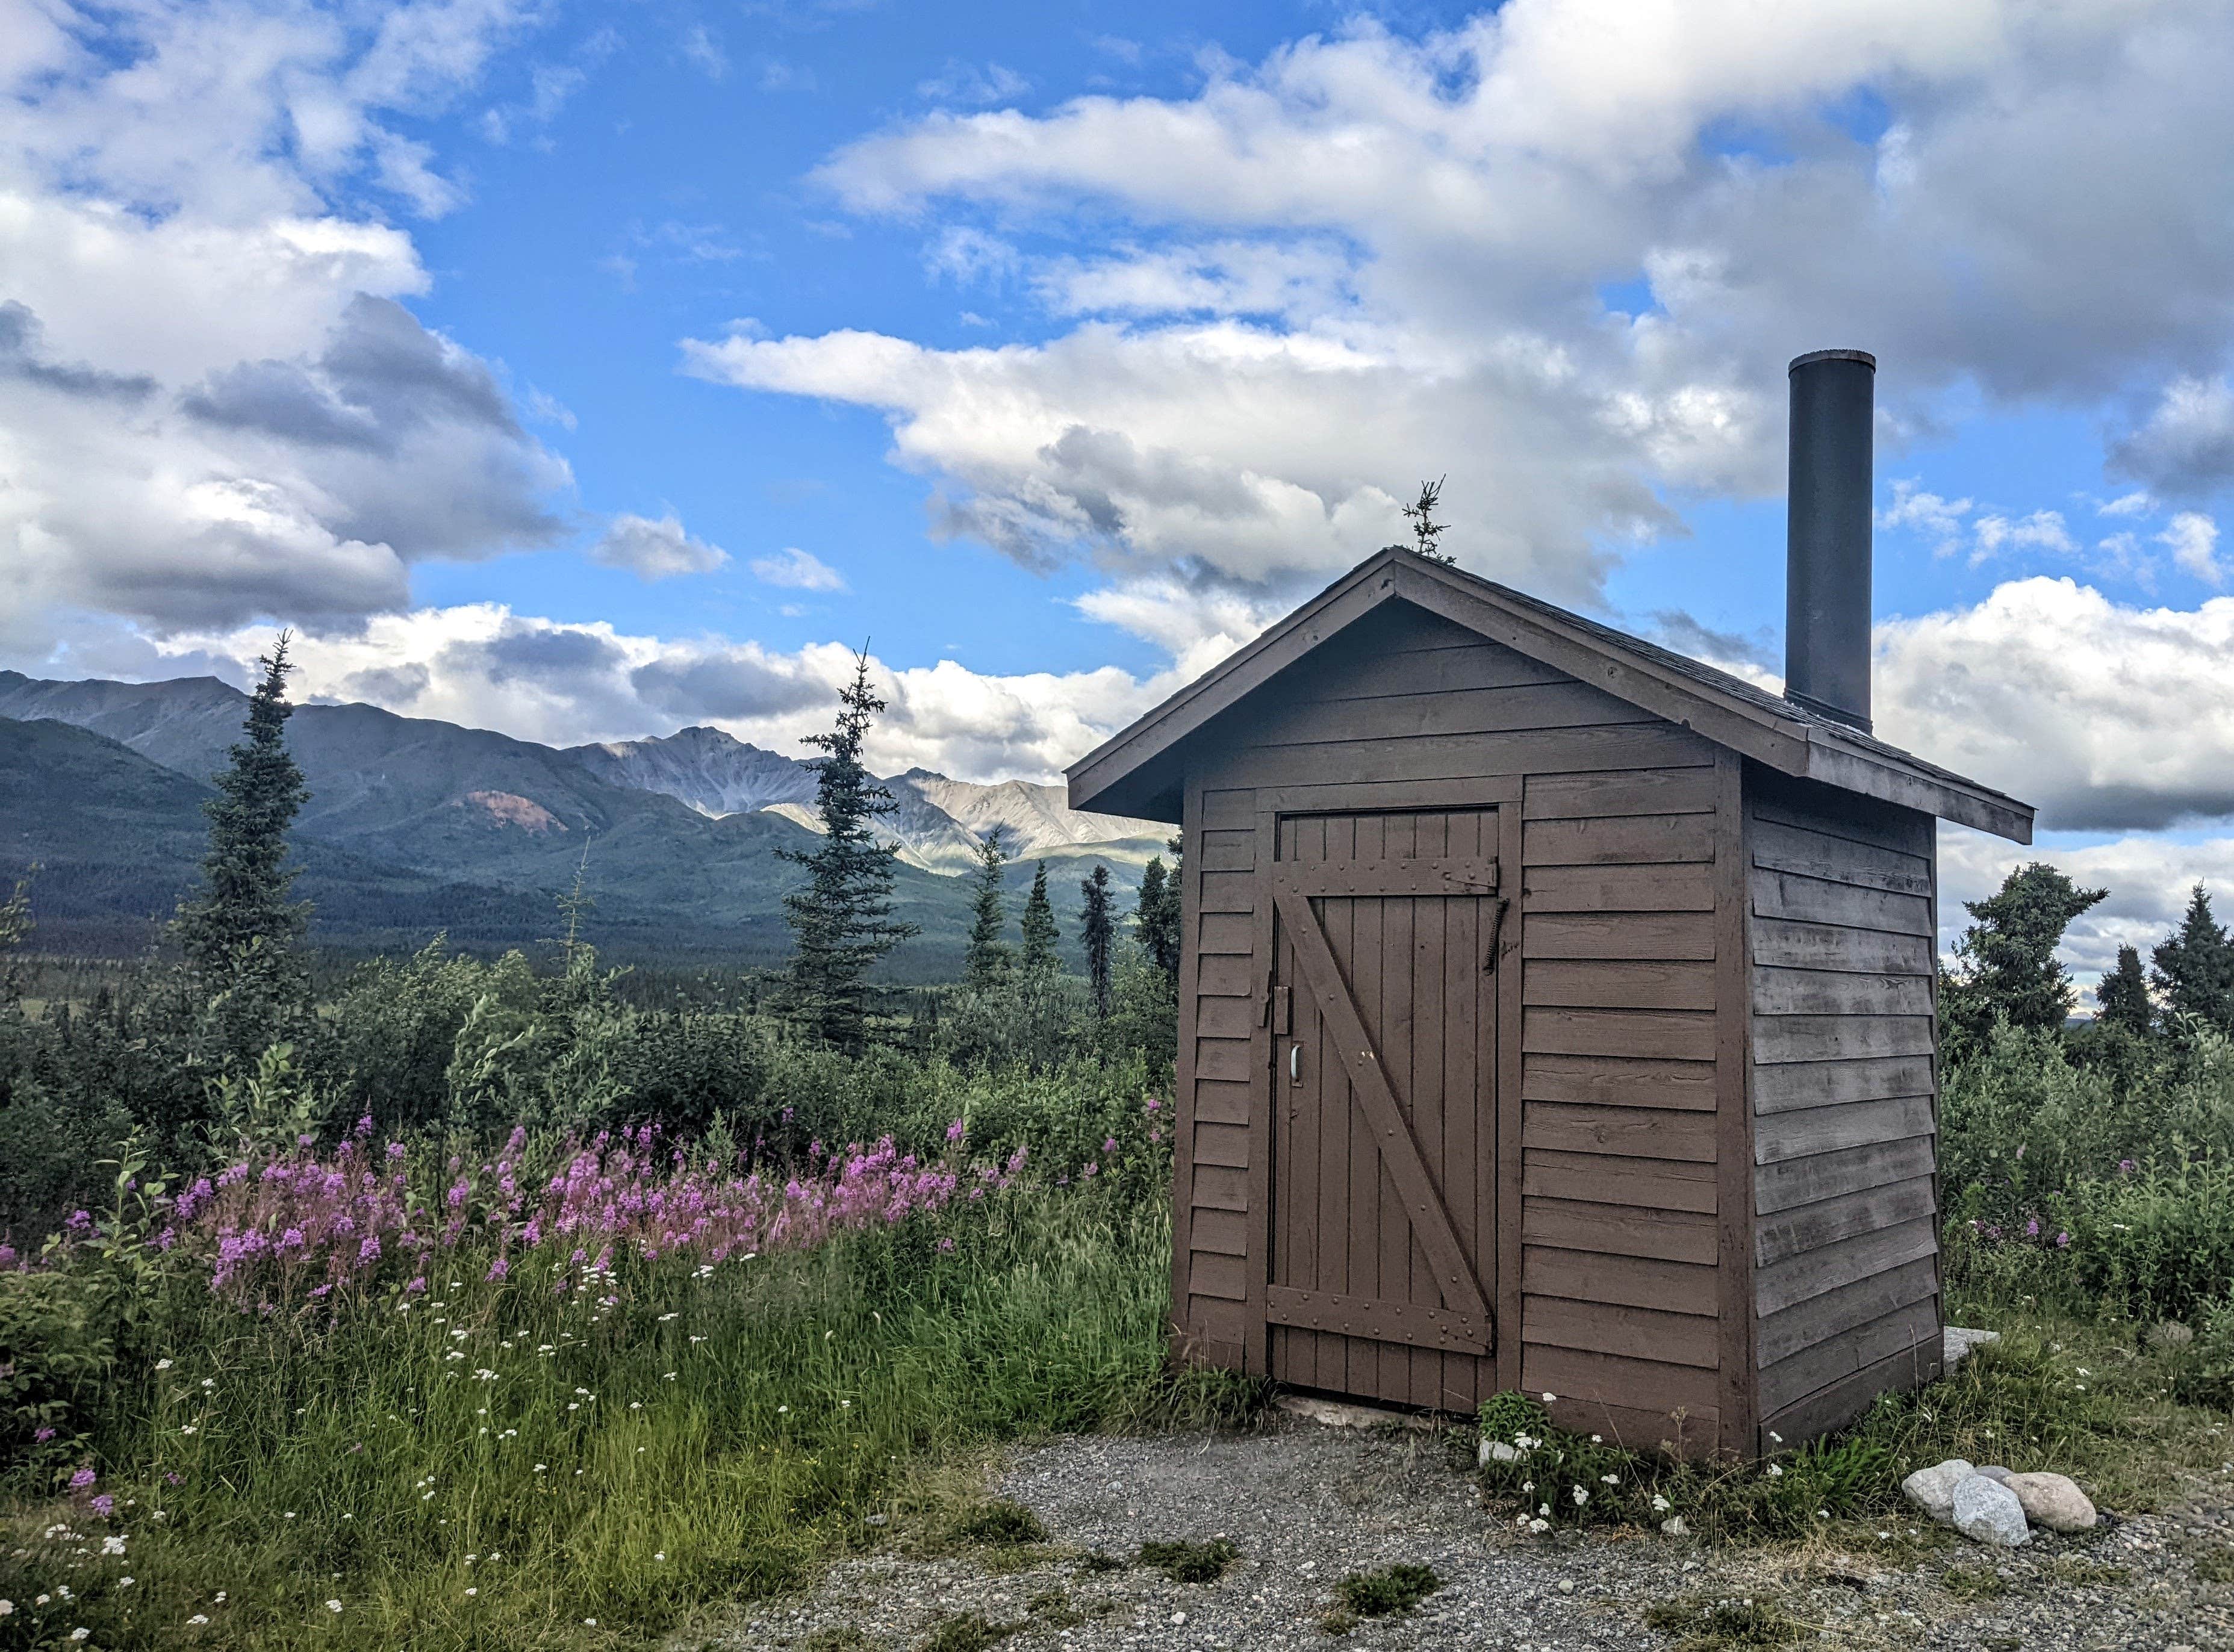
x=416 y=825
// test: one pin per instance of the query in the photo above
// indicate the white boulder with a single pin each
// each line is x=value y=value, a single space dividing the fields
x=1987 y=1511
x=1932 y=1489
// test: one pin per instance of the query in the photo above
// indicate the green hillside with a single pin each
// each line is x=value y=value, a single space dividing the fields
x=417 y=827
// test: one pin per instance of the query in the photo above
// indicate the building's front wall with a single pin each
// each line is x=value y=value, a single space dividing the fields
x=1842 y=905
x=1619 y=1245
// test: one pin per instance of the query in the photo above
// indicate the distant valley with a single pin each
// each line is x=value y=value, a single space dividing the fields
x=417 y=825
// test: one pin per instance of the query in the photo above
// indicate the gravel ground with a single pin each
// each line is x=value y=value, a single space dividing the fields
x=1306 y=1503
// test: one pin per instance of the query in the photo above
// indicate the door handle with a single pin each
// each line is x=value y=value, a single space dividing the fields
x=1294 y=1063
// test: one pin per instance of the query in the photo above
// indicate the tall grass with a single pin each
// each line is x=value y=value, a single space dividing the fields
x=497 y=1463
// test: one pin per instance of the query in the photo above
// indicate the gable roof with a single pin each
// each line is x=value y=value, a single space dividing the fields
x=1135 y=771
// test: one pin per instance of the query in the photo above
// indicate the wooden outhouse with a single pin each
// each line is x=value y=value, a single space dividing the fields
x=1557 y=1013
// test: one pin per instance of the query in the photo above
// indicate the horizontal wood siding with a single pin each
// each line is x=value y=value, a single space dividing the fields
x=1623 y=1310
x=1841 y=906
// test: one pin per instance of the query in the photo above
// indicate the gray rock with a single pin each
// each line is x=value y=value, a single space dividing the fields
x=1955 y=1341
x=2052 y=1501
x=1987 y=1511
x=1996 y=1472
x=1932 y=1489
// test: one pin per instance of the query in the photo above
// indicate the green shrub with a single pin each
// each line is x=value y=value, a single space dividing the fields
x=1190 y=1562
x=1386 y=1591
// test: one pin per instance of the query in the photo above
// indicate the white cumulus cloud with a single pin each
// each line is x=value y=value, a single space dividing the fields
x=654 y=549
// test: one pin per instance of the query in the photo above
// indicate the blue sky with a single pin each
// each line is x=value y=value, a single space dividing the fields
x=585 y=370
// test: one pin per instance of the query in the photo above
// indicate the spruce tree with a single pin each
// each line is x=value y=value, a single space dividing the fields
x=2195 y=966
x=239 y=928
x=1427 y=532
x=1039 y=932
x=841 y=919
x=1156 y=917
x=1095 y=923
x=2123 y=995
x=2006 y=962
x=985 y=961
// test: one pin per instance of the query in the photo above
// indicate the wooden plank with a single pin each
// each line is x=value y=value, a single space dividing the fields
x=1258 y=1101
x=1822 y=1084
x=1836 y=992
x=1651 y=1183
x=1227 y=851
x=1226 y=1233
x=1784 y=799
x=1793 y=1182
x=1225 y=808
x=1688 y=1433
x=1450 y=668
x=1467 y=792
x=1669 y=1034
x=1842 y=1401
x=1826 y=1130
x=1217 y=1187
x=1738 y=1399
x=1623 y=841
x=1643 y=1282
x=1596 y=1080
x=1461 y=711
x=1804 y=1324
x=1620 y=983
x=1223 y=1058
x=1224 y=932
x=1629 y=1132
x=1811 y=1273
x=1813 y=900
x=1391 y=1132
x=1610 y=1327
x=1810 y=1227
x=1780 y=944
x=1221 y=1144
x=1209 y=1274
x=1225 y=891
x=1573 y=1374
x=1222 y=1017
x=1617 y=888
x=1854 y=1349
x=1377 y=879
x=1500 y=1061
x=1779 y=847
x=1379 y=1321
x=1675 y=936
x=1670 y=1236
x=1778 y=1039
x=1650 y=745
x=1226 y=974
x=1185 y=1075
x=1221 y=1101
x=1665 y=791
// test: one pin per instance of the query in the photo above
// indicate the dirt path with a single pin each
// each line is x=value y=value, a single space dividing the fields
x=1305 y=1504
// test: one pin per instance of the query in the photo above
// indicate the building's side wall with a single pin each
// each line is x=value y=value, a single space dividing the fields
x=1841 y=923
x=1607 y=1292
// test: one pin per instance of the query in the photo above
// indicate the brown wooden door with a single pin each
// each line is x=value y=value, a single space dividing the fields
x=1383 y=1102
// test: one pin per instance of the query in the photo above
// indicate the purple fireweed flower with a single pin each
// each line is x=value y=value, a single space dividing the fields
x=954 y=1131
x=369 y=1250
x=946 y=1245
x=2032 y=1228
x=499 y=1269
x=1110 y=1145
x=104 y=1505
x=363 y=1126
x=396 y=1150
x=417 y=1287
x=2062 y=1240
x=78 y=1222
x=43 y=1435
x=83 y=1479
x=2125 y=1167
